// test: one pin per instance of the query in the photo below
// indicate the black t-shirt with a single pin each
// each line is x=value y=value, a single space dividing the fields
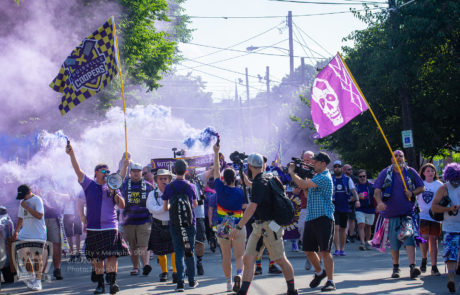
x=262 y=196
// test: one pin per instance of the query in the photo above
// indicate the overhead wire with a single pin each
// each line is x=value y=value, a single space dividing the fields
x=330 y=3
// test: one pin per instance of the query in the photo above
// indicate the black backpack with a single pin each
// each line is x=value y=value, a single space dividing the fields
x=283 y=209
x=180 y=210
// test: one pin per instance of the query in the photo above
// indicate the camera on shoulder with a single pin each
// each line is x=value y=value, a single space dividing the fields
x=237 y=158
x=302 y=169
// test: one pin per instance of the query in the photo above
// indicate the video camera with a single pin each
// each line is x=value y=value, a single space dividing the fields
x=237 y=157
x=302 y=169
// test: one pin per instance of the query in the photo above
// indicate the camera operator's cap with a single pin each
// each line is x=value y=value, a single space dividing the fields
x=136 y=166
x=256 y=160
x=322 y=157
x=23 y=190
x=338 y=162
x=162 y=172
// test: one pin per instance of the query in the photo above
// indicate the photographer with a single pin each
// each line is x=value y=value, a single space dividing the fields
x=451 y=222
x=319 y=222
x=264 y=228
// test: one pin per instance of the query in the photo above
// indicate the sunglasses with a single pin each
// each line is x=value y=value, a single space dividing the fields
x=399 y=156
x=337 y=166
x=362 y=176
x=105 y=171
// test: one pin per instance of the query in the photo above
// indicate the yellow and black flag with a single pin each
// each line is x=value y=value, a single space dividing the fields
x=88 y=69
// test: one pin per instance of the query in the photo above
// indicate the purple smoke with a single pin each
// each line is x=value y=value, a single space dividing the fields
x=205 y=138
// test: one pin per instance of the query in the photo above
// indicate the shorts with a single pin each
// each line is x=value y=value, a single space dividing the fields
x=366 y=218
x=72 y=225
x=53 y=230
x=430 y=228
x=394 y=226
x=318 y=235
x=137 y=236
x=301 y=222
x=240 y=238
x=341 y=219
x=451 y=244
x=200 y=230
x=261 y=236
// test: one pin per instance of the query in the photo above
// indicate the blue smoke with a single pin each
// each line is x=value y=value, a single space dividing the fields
x=205 y=138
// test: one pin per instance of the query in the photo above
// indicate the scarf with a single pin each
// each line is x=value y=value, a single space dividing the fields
x=143 y=190
x=388 y=182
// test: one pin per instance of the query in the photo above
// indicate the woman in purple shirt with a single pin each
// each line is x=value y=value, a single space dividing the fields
x=103 y=241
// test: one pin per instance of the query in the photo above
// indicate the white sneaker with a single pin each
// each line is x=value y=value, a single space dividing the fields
x=29 y=284
x=37 y=285
x=229 y=285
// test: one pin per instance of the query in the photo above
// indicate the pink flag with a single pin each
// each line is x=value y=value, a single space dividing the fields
x=335 y=98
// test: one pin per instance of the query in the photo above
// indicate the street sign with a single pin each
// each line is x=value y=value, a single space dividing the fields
x=407 y=139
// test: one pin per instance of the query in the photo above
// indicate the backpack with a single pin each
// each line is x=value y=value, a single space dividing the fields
x=180 y=210
x=283 y=209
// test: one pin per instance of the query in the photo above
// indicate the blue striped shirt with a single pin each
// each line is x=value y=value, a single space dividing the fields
x=319 y=199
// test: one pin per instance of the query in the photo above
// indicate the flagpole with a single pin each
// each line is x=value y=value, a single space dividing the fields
x=375 y=119
x=121 y=82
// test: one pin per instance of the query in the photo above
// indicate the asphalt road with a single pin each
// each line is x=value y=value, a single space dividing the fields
x=360 y=272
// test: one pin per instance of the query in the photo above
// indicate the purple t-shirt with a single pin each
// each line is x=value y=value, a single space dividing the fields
x=100 y=207
x=52 y=209
x=212 y=202
x=398 y=204
x=179 y=185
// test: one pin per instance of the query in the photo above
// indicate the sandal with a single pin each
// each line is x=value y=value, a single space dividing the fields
x=134 y=272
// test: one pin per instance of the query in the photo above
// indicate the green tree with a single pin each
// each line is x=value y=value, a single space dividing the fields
x=418 y=58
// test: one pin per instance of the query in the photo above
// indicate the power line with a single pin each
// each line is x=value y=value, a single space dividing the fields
x=329 y=3
x=302 y=31
x=272 y=16
x=241 y=42
x=223 y=69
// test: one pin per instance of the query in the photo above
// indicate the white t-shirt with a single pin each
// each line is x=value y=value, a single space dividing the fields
x=426 y=198
x=32 y=228
x=155 y=206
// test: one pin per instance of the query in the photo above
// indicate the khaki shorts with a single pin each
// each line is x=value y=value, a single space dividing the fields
x=240 y=238
x=137 y=236
x=273 y=241
x=53 y=230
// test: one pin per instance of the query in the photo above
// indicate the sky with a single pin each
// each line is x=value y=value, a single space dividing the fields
x=315 y=37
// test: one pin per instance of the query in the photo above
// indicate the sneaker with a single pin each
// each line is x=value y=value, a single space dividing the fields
x=29 y=284
x=193 y=284
x=174 y=278
x=237 y=284
x=451 y=286
x=336 y=253
x=199 y=269
x=307 y=264
x=258 y=270
x=37 y=286
x=396 y=273
x=423 y=266
x=78 y=257
x=273 y=269
x=342 y=253
x=317 y=279
x=213 y=246
x=362 y=247
x=352 y=239
x=146 y=270
x=330 y=286
x=414 y=272
x=57 y=274
x=435 y=271
x=164 y=277
x=229 y=286
x=368 y=247
x=180 y=287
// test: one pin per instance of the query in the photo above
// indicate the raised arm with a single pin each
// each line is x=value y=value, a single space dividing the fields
x=80 y=174
x=216 y=166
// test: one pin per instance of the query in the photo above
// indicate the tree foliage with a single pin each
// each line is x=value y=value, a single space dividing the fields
x=417 y=50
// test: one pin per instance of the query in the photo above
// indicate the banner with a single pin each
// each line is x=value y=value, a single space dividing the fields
x=335 y=98
x=291 y=230
x=193 y=162
x=88 y=68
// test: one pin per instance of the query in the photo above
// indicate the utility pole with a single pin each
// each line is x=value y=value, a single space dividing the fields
x=267 y=77
x=269 y=106
x=247 y=84
x=302 y=70
x=291 y=46
x=236 y=92
x=403 y=91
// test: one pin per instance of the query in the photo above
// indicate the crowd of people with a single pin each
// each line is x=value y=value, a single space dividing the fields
x=161 y=212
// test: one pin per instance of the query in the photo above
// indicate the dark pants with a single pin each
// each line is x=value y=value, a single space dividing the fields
x=179 y=249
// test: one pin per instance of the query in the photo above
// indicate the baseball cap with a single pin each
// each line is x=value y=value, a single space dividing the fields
x=322 y=157
x=337 y=162
x=136 y=166
x=23 y=190
x=256 y=160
